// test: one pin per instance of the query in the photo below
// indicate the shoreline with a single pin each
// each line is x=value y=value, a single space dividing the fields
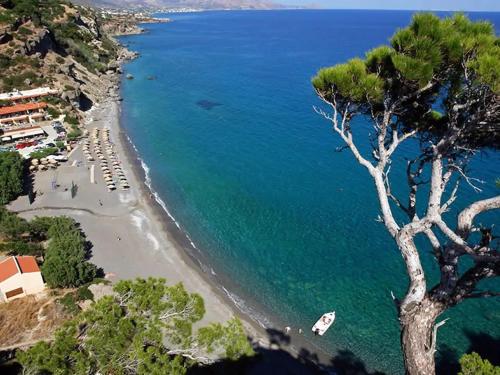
x=218 y=283
x=134 y=235
x=260 y=327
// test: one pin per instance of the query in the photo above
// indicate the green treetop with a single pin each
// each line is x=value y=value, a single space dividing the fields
x=430 y=72
x=437 y=85
x=144 y=328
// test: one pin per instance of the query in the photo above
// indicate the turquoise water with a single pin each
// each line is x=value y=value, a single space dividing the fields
x=251 y=174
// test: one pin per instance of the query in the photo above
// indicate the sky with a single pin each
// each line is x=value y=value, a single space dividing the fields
x=465 y=5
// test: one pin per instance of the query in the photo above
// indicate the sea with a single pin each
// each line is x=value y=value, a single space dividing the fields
x=220 y=111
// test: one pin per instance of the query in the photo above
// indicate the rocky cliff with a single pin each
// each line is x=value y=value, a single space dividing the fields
x=63 y=46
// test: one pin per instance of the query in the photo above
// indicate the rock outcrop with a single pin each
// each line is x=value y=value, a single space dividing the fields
x=42 y=42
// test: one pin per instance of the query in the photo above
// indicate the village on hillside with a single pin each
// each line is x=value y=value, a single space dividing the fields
x=28 y=125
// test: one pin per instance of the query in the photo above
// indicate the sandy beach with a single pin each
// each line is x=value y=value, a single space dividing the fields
x=132 y=236
x=128 y=240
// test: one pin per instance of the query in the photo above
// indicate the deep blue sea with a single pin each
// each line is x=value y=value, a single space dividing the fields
x=250 y=172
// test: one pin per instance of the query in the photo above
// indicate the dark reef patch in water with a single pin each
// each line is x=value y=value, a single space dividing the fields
x=207 y=104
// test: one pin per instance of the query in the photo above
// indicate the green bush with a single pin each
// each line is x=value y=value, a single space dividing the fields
x=24 y=31
x=21 y=248
x=72 y=120
x=66 y=262
x=5 y=62
x=83 y=294
x=11 y=225
x=44 y=153
x=54 y=100
x=40 y=225
x=74 y=134
x=11 y=176
x=53 y=112
x=16 y=81
x=69 y=304
x=473 y=364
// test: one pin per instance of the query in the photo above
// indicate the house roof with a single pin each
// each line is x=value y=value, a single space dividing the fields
x=8 y=268
x=27 y=264
x=19 y=264
x=21 y=108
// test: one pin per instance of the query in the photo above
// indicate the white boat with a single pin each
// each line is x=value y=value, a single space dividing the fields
x=323 y=323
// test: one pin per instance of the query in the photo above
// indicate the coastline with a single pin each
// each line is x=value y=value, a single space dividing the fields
x=134 y=235
x=195 y=259
x=261 y=326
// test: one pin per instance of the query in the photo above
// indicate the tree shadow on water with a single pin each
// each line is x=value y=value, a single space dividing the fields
x=487 y=346
x=277 y=360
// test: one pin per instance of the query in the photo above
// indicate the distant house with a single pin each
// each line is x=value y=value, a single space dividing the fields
x=19 y=276
x=17 y=96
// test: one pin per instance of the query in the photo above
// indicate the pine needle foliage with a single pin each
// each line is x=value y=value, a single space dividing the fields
x=145 y=327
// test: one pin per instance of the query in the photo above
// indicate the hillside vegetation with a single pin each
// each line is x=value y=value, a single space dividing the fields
x=54 y=43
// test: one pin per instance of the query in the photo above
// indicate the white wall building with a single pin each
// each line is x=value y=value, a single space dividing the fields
x=19 y=276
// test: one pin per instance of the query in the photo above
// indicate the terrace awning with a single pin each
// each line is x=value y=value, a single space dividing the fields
x=26 y=133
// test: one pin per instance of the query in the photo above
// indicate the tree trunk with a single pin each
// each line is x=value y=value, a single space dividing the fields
x=418 y=337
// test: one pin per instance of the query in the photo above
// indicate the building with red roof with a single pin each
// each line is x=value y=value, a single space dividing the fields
x=27 y=112
x=19 y=277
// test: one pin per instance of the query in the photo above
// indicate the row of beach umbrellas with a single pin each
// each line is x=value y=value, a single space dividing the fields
x=106 y=168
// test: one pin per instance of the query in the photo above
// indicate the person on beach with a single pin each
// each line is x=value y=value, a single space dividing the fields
x=287 y=329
